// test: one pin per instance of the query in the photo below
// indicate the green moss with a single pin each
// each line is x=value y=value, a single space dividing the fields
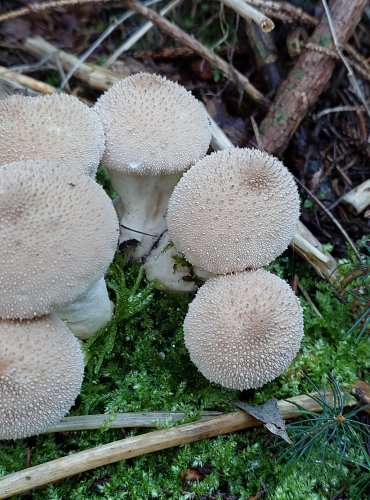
x=139 y=363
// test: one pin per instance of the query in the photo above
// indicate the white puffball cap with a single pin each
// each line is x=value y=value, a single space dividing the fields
x=243 y=330
x=41 y=372
x=56 y=127
x=232 y=210
x=58 y=233
x=152 y=126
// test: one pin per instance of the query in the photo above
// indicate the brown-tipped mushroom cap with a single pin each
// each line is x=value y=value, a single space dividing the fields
x=233 y=210
x=58 y=233
x=243 y=330
x=41 y=371
x=56 y=127
x=152 y=126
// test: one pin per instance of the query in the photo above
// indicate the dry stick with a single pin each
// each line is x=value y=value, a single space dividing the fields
x=185 y=39
x=282 y=10
x=26 y=81
x=73 y=464
x=43 y=7
x=130 y=42
x=359 y=197
x=122 y=420
x=308 y=78
x=248 y=12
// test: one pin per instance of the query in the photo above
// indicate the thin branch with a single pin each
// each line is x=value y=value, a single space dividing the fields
x=248 y=12
x=130 y=42
x=97 y=43
x=26 y=81
x=122 y=420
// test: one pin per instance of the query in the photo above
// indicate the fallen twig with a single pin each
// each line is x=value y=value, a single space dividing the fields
x=122 y=420
x=130 y=42
x=26 y=81
x=359 y=197
x=131 y=447
x=308 y=78
x=248 y=12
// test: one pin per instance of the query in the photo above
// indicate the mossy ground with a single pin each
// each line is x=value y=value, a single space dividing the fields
x=139 y=363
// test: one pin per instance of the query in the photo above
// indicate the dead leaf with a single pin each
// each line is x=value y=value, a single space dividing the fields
x=270 y=415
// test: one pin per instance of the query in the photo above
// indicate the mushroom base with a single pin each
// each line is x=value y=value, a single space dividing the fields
x=89 y=312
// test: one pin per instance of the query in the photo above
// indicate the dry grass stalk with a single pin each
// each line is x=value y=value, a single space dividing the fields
x=131 y=447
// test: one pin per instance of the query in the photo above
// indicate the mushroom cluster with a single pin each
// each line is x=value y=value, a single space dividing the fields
x=59 y=233
x=231 y=213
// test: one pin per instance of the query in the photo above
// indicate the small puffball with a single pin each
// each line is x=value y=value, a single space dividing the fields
x=243 y=330
x=41 y=372
x=234 y=209
x=58 y=233
x=152 y=126
x=56 y=127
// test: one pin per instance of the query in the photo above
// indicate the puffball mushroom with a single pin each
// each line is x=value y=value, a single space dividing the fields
x=232 y=210
x=56 y=127
x=243 y=330
x=41 y=372
x=155 y=130
x=58 y=233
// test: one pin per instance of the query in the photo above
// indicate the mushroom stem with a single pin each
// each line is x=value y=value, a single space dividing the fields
x=169 y=270
x=89 y=312
x=142 y=207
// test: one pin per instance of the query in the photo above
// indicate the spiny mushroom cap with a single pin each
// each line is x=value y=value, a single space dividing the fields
x=243 y=330
x=41 y=371
x=56 y=127
x=234 y=209
x=58 y=233
x=152 y=126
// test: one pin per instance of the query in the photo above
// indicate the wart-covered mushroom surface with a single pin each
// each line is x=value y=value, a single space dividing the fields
x=232 y=210
x=56 y=127
x=58 y=233
x=41 y=372
x=243 y=330
x=155 y=130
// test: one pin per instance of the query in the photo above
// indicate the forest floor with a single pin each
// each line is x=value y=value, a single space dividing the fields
x=140 y=363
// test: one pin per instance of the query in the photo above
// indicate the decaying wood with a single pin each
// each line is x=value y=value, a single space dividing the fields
x=131 y=447
x=308 y=78
x=26 y=81
x=122 y=420
x=359 y=197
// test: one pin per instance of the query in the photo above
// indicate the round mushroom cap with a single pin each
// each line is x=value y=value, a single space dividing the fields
x=56 y=127
x=41 y=372
x=234 y=209
x=243 y=330
x=58 y=233
x=152 y=126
